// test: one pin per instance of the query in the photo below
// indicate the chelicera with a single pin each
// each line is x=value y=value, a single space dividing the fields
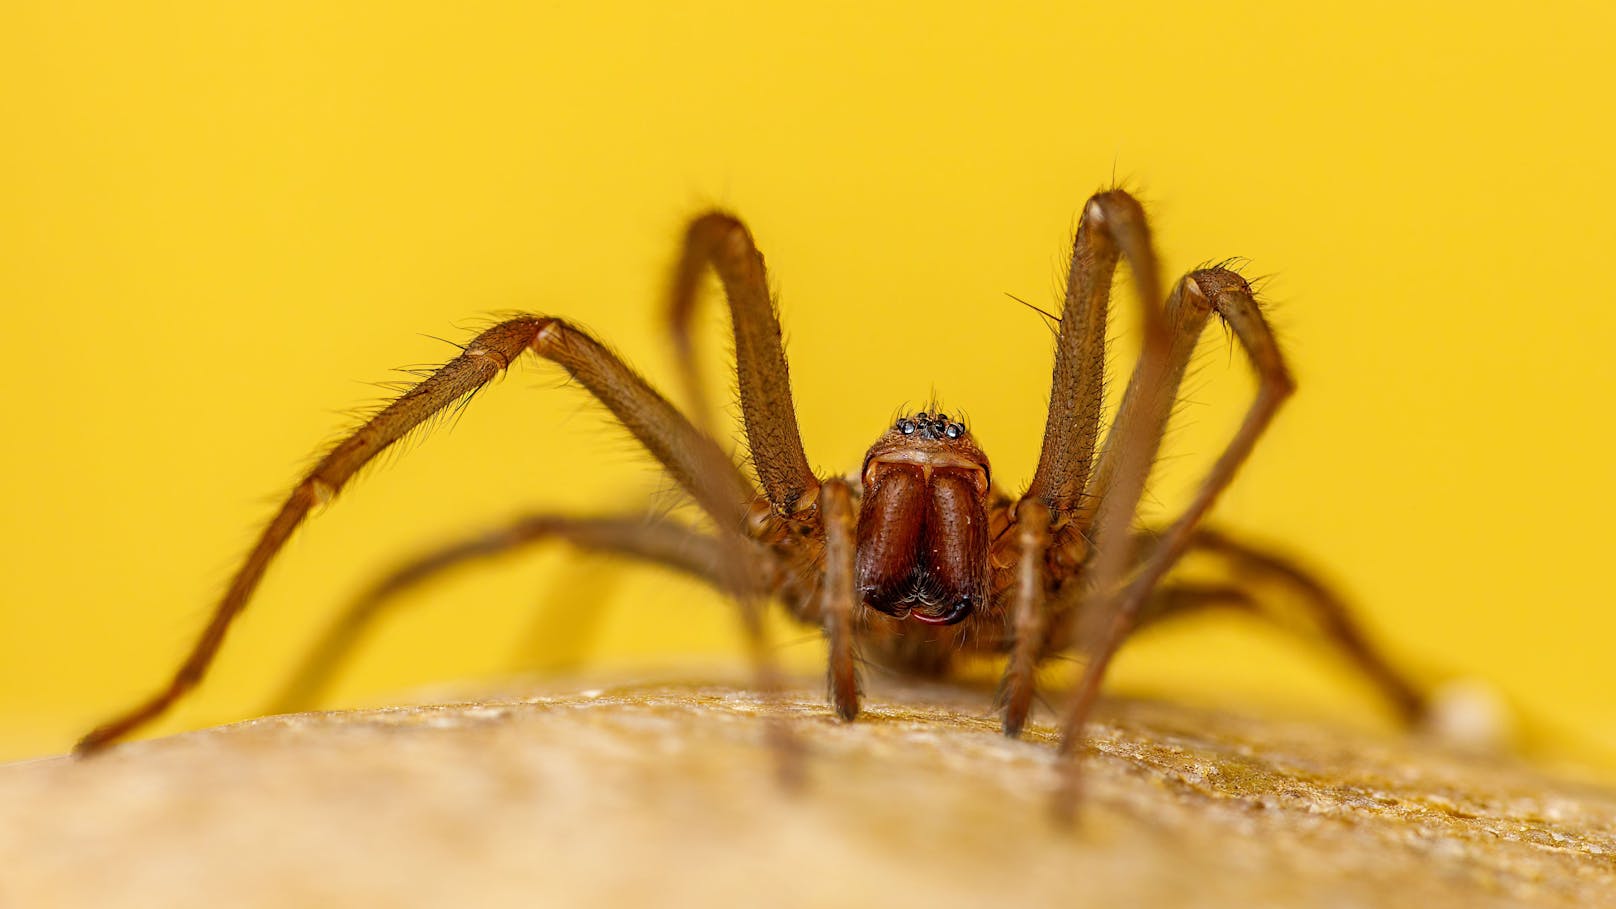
x=923 y=523
x=918 y=559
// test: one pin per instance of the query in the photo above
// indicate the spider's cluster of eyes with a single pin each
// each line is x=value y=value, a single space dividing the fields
x=930 y=427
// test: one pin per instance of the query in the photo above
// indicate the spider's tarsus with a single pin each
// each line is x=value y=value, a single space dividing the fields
x=847 y=709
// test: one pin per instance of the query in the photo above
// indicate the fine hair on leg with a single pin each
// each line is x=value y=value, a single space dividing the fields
x=694 y=461
x=719 y=239
x=1108 y=613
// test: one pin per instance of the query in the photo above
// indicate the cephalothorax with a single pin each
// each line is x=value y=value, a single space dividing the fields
x=918 y=560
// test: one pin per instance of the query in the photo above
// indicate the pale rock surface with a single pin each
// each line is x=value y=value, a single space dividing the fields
x=666 y=795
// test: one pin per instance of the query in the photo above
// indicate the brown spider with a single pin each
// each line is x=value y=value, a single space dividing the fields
x=919 y=559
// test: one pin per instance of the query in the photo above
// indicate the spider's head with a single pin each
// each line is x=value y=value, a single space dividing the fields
x=927 y=444
x=923 y=529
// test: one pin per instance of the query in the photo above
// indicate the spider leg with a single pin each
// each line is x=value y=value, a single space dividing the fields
x=838 y=599
x=1131 y=449
x=720 y=240
x=691 y=457
x=1178 y=599
x=1113 y=226
x=658 y=541
x=1284 y=582
x=1027 y=615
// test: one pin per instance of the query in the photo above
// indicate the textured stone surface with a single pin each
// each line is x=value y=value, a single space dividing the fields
x=666 y=795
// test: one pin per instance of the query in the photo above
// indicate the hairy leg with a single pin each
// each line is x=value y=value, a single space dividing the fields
x=1027 y=615
x=692 y=458
x=1141 y=420
x=1266 y=583
x=720 y=240
x=1112 y=227
x=658 y=541
x=1177 y=599
x=837 y=596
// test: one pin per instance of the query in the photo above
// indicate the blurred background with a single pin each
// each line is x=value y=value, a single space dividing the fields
x=221 y=221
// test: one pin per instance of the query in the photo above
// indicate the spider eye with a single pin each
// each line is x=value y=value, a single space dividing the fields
x=954 y=430
x=907 y=427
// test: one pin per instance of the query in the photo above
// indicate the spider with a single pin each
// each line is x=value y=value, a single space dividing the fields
x=919 y=559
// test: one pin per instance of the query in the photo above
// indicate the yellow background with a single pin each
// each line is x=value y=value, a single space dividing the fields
x=217 y=221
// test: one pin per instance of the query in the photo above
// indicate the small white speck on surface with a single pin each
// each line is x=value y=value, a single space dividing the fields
x=1471 y=714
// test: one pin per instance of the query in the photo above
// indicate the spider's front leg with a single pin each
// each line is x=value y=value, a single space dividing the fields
x=1112 y=228
x=719 y=239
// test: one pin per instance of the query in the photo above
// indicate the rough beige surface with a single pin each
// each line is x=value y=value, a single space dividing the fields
x=665 y=795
